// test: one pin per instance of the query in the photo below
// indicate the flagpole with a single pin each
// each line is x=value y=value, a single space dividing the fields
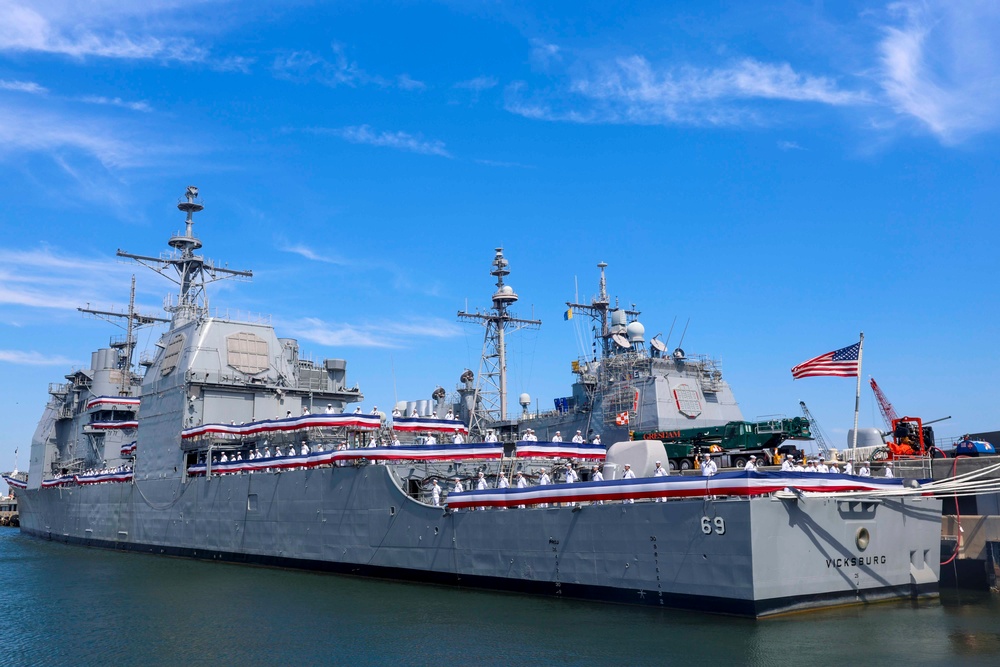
x=857 y=396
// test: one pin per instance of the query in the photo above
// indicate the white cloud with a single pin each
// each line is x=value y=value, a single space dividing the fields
x=393 y=334
x=478 y=84
x=303 y=66
x=31 y=129
x=44 y=279
x=364 y=134
x=91 y=29
x=23 y=87
x=33 y=358
x=309 y=253
x=116 y=102
x=940 y=64
x=789 y=146
x=405 y=82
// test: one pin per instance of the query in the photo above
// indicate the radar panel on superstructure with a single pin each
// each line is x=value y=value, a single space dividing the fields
x=172 y=354
x=688 y=401
x=247 y=352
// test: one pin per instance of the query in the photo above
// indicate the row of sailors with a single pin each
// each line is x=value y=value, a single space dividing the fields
x=578 y=439
x=820 y=465
x=93 y=472
x=544 y=479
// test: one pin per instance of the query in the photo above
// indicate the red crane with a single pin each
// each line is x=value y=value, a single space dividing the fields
x=885 y=407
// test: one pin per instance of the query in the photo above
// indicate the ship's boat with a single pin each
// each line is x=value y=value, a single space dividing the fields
x=229 y=446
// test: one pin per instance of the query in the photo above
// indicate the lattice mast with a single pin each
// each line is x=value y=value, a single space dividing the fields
x=126 y=347
x=490 y=398
x=193 y=271
x=598 y=310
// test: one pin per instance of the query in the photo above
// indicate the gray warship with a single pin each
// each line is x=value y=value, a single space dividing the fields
x=228 y=445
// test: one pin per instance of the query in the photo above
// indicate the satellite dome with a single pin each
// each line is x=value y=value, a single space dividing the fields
x=524 y=400
x=507 y=289
x=635 y=332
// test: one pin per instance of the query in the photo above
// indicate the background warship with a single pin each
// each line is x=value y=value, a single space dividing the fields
x=179 y=461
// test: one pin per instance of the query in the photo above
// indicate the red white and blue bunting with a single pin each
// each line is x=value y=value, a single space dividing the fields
x=428 y=425
x=129 y=449
x=354 y=422
x=567 y=450
x=14 y=482
x=57 y=481
x=113 y=401
x=112 y=426
x=316 y=459
x=103 y=478
x=743 y=483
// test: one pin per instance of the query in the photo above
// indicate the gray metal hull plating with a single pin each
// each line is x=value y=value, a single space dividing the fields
x=752 y=557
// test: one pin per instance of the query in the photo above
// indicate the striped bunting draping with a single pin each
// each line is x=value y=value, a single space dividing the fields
x=742 y=483
x=569 y=450
x=100 y=478
x=113 y=426
x=426 y=424
x=129 y=449
x=315 y=459
x=352 y=421
x=15 y=483
x=113 y=400
x=57 y=481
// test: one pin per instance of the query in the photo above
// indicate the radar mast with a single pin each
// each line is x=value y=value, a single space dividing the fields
x=490 y=399
x=193 y=271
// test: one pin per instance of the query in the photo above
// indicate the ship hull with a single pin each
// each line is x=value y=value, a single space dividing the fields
x=748 y=557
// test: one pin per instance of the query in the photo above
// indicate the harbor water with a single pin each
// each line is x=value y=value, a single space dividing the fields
x=67 y=605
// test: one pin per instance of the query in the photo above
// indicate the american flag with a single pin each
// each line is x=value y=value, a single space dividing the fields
x=840 y=363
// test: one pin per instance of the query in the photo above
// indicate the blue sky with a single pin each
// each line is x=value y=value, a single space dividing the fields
x=785 y=175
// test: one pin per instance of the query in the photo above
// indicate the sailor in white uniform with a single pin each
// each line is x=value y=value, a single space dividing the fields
x=431 y=440
x=450 y=414
x=436 y=494
x=305 y=448
x=544 y=480
x=571 y=475
x=822 y=467
x=888 y=469
x=490 y=436
x=865 y=470
x=628 y=474
x=458 y=439
x=849 y=468
x=557 y=437
x=329 y=408
x=502 y=482
x=481 y=485
x=395 y=441
x=396 y=412
x=597 y=476
x=357 y=410
x=374 y=409
x=787 y=465
x=752 y=463
x=659 y=471
x=597 y=439
x=708 y=466
x=833 y=468
x=414 y=413
x=521 y=483
x=458 y=486
x=578 y=439
x=305 y=410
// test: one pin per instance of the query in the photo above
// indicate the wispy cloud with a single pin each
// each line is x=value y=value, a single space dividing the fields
x=80 y=31
x=43 y=278
x=478 y=84
x=116 y=102
x=364 y=134
x=304 y=66
x=23 y=87
x=393 y=334
x=405 y=82
x=632 y=90
x=31 y=129
x=24 y=358
x=310 y=254
x=940 y=64
x=789 y=146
